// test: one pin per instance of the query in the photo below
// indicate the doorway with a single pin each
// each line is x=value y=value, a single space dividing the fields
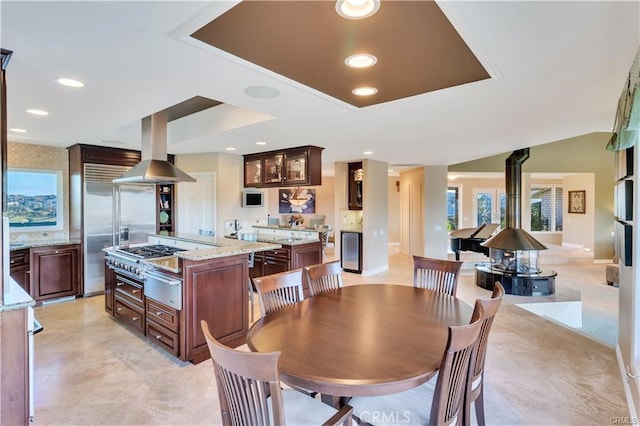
x=489 y=206
x=197 y=204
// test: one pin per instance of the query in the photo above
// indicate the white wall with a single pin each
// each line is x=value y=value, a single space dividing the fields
x=578 y=228
x=435 y=212
x=393 y=209
x=375 y=247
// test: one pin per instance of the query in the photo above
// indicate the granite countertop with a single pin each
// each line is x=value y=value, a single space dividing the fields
x=40 y=243
x=280 y=240
x=15 y=297
x=289 y=228
x=219 y=247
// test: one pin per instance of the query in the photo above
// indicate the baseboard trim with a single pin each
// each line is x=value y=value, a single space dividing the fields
x=369 y=272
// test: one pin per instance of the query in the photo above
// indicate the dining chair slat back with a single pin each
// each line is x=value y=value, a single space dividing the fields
x=436 y=274
x=448 y=401
x=475 y=384
x=323 y=277
x=278 y=290
x=446 y=397
x=250 y=393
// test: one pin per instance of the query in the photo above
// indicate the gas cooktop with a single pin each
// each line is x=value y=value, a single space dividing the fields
x=150 y=251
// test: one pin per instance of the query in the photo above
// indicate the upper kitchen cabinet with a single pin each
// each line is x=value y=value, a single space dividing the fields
x=355 y=186
x=166 y=212
x=253 y=170
x=301 y=166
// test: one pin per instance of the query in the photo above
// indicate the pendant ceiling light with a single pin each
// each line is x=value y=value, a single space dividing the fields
x=357 y=9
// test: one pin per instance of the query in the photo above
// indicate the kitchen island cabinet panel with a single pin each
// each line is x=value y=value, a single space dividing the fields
x=163 y=337
x=214 y=290
x=128 y=313
x=55 y=271
x=109 y=285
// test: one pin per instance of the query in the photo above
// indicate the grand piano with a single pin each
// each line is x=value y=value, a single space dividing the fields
x=469 y=239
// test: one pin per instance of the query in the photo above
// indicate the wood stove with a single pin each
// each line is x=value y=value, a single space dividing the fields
x=514 y=252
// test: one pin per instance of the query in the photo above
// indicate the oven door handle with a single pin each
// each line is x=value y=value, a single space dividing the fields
x=162 y=277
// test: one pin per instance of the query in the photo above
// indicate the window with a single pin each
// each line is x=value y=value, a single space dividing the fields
x=34 y=199
x=546 y=209
x=453 y=207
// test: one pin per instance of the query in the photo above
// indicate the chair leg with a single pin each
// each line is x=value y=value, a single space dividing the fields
x=479 y=405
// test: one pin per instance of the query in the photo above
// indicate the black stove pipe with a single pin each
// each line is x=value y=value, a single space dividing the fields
x=512 y=237
x=513 y=187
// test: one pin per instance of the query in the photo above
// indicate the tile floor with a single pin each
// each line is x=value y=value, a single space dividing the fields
x=91 y=371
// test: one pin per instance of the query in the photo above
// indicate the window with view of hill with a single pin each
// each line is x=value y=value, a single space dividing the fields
x=34 y=199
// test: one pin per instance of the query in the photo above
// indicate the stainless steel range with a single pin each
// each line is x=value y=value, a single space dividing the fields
x=140 y=264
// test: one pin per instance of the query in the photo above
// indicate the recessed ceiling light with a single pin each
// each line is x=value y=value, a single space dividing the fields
x=18 y=130
x=361 y=60
x=262 y=92
x=368 y=153
x=357 y=9
x=364 y=91
x=37 y=112
x=261 y=143
x=70 y=82
x=229 y=149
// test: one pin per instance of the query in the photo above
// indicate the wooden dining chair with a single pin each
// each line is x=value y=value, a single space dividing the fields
x=250 y=392
x=278 y=290
x=436 y=274
x=428 y=404
x=323 y=277
x=475 y=383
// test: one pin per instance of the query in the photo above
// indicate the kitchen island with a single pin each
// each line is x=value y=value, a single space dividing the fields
x=165 y=298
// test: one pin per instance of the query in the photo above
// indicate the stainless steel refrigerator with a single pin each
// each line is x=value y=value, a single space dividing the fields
x=106 y=208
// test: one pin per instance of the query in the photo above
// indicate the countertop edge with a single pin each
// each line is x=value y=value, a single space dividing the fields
x=40 y=243
x=16 y=297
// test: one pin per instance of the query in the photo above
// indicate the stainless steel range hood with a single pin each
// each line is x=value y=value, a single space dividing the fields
x=512 y=237
x=154 y=167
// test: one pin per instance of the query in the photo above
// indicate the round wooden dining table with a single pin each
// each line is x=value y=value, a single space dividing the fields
x=361 y=340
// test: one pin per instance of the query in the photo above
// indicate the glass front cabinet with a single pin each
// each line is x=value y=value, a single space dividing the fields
x=301 y=166
x=252 y=170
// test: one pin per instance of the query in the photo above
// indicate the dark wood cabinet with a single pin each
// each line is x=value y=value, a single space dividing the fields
x=355 y=186
x=163 y=326
x=128 y=303
x=287 y=258
x=216 y=291
x=19 y=268
x=300 y=166
x=54 y=271
x=109 y=286
x=166 y=211
x=253 y=170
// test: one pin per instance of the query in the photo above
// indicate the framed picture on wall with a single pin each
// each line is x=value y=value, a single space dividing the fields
x=577 y=203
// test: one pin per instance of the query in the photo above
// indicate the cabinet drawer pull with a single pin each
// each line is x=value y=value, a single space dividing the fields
x=120 y=309
x=159 y=336
x=28 y=272
x=135 y=290
x=158 y=313
x=135 y=318
x=119 y=284
x=13 y=261
x=57 y=252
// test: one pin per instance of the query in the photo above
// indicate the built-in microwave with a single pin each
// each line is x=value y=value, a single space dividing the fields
x=252 y=198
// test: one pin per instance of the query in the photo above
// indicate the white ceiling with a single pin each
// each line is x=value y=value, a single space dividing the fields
x=558 y=69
